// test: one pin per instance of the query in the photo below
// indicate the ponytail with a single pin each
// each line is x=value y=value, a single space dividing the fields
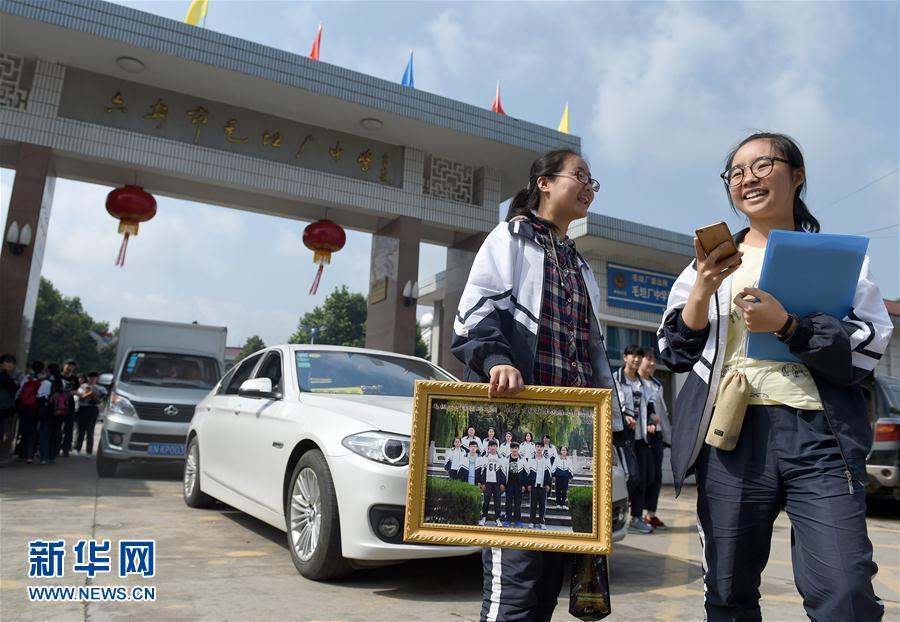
x=803 y=218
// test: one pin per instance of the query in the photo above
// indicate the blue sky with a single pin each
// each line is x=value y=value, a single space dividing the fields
x=658 y=92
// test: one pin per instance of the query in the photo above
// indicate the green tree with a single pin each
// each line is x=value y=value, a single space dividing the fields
x=253 y=344
x=340 y=321
x=64 y=330
x=421 y=348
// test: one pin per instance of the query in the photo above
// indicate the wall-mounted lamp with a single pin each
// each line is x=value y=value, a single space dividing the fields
x=18 y=240
x=410 y=293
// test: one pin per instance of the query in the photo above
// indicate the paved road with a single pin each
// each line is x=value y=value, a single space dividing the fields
x=220 y=564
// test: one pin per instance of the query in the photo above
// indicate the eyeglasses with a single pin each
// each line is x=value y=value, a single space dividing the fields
x=582 y=178
x=760 y=167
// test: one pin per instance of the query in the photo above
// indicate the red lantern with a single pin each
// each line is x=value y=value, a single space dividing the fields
x=131 y=205
x=323 y=237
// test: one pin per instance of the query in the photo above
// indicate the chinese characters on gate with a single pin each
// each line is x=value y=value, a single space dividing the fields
x=199 y=117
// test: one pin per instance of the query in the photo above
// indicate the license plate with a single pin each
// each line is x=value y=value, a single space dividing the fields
x=165 y=449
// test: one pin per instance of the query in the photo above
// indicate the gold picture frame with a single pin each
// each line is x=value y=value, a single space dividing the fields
x=433 y=405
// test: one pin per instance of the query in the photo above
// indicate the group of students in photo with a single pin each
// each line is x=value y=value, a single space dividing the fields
x=48 y=411
x=510 y=470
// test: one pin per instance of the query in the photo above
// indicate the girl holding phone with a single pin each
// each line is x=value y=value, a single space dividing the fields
x=805 y=434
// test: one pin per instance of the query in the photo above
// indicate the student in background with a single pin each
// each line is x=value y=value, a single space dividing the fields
x=505 y=447
x=633 y=399
x=563 y=474
x=455 y=457
x=468 y=469
x=28 y=406
x=90 y=396
x=516 y=468
x=659 y=433
x=539 y=477
x=70 y=380
x=526 y=448
x=805 y=436
x=492 y=481
x=8 y=419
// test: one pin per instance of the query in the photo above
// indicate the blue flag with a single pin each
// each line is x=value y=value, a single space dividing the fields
x=408 y=74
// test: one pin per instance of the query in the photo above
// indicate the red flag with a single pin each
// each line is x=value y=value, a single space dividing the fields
x=316 y=44
x=496 y=106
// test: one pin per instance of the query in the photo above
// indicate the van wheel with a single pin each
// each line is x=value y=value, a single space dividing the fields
x=311 y=517
x=106 y=467
x=193 y=496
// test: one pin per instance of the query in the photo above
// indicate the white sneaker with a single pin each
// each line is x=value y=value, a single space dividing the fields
x=531 y=525
x=542 y=526
x=481 y=522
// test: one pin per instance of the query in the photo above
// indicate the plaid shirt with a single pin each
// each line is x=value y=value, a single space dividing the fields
x=563 y=356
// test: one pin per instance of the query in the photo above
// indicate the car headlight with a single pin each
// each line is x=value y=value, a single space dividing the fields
x=381 y=447
x=119 y=405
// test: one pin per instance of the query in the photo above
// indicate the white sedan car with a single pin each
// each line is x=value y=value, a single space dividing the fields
x=314 y=440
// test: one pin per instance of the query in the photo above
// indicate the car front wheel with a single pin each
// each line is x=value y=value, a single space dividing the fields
x=193 y=496
x=313 y=525
x=106 y=467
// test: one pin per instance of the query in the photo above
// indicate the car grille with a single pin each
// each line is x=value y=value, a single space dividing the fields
x=155 y=412
x=138 y=437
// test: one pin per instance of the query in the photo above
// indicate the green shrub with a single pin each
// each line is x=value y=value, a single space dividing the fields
x=580 y=502
x=451 y=502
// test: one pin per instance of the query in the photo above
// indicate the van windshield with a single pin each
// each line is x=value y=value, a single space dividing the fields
x=162 y=369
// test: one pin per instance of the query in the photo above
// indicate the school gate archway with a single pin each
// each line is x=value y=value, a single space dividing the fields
x=103 y=93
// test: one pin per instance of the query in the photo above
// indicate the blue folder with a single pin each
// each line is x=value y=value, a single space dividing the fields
x=807 y=273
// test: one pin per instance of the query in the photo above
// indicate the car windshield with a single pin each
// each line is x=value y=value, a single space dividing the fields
x=891 y=388
x=163 y=369
x=356 y=373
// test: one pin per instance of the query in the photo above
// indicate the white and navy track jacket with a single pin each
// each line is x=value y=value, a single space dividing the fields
x=839 y=352
x=500 y=308
x=655 y=396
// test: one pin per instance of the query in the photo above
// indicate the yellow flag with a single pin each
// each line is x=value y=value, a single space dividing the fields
x=564 y=122
x=196 y=12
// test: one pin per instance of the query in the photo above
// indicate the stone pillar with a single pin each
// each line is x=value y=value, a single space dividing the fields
x=390 y=324
x=460 y=257
x=20 y=275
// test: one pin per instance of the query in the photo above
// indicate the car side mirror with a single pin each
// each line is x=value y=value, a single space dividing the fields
x=105 y=380
x=258 y=387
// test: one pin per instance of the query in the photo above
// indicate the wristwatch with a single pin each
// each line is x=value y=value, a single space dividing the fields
x=782 y=333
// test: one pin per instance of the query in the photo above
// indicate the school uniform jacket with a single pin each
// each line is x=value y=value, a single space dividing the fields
x=521 y=477
x=655 y=395
x=481 y=476
x=839 y=352
x=544 y=478
x=497 y=320
x=563 y=468
x=455 y=459
x=463 y=473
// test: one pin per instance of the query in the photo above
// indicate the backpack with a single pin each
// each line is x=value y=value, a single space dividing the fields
x=28 y=402
x=59 y=404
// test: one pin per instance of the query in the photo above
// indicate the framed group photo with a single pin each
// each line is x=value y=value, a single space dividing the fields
x=529 y=471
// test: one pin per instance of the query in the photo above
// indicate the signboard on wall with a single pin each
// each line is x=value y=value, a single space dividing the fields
x=635 y=288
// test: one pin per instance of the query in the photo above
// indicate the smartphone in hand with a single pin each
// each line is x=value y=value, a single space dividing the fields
x=713 y=235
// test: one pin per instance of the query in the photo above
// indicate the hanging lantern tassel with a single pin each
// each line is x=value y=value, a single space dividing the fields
x=323 y=237
x=129 y=229
x=132 y=205
x=323 y=258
